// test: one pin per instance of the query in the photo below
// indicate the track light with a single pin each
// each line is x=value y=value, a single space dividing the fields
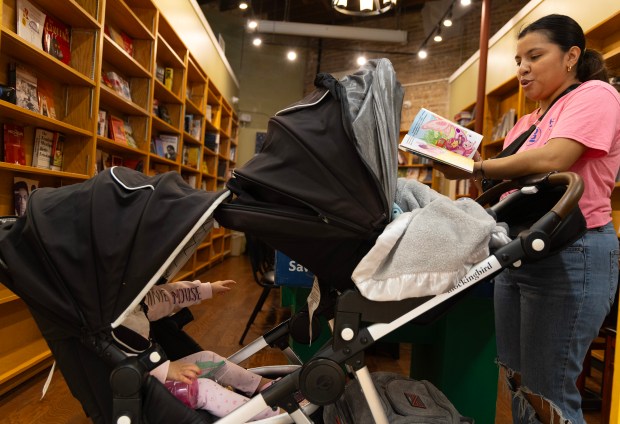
x=465 y=2
x=447 y=22
x=257 y=41
x=438 y=38
x=252 y=24
x=291 y=55
x=243 y=5
x=422 y=53
x=361 y=60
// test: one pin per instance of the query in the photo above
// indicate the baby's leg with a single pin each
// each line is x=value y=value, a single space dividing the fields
x=220 y=401
x=228 y=374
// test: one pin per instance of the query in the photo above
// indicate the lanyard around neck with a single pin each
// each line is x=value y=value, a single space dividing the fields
x=518 y=142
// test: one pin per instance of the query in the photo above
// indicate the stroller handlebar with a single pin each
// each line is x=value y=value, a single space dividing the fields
x=570 y=199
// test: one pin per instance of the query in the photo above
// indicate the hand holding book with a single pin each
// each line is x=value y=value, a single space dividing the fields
x=439 y=139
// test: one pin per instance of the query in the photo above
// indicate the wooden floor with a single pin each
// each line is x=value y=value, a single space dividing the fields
x=217 y=326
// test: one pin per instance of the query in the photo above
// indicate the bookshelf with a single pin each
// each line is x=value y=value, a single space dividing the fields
x=80 y=92
x=416 y=167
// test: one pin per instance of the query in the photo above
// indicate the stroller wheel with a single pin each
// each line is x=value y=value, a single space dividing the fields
x=322 y=381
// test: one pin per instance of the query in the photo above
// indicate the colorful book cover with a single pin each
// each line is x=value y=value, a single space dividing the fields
x=43 y=147
x=169 y=143
x=57 y=39
x=168 y=75
x=117 y=130
x=190 y=156
x=437 y=138
x=22 y=189
x=102 y=123
x=13 y=140
x=30 y=22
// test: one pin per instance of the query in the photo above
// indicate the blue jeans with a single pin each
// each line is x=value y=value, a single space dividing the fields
x=547 y=314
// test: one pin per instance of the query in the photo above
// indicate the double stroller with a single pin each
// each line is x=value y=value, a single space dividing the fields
x=85 y=255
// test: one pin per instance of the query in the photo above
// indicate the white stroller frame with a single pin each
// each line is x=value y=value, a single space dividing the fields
x=349 y=340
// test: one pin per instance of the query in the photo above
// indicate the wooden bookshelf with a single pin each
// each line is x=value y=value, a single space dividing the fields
x=79 y=94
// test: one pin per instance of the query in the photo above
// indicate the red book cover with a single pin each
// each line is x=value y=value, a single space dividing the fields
x=117 y=130
x=57 y=39
x=14 y=144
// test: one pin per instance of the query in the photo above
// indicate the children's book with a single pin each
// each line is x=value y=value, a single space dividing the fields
x=22 y=189
x=169 y=146
x=102 y=123
x=43 y=147
x=57 y=39
x=436 y=138
x=13 y=140
x=30 y=22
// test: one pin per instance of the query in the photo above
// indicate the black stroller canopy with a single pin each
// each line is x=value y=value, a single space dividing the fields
x=85 y=253
x=322 y=187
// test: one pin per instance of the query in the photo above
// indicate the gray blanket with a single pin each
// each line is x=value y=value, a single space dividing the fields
x=429 y=247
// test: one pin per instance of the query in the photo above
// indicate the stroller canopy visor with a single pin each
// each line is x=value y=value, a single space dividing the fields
x=84 y=253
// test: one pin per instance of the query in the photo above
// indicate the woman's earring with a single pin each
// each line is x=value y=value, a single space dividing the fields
x=569 y=68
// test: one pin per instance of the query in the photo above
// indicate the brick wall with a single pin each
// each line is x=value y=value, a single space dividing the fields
x=425 y=81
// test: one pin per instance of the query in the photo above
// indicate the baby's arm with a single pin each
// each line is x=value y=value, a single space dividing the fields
x=176 y=371
x=165 y=299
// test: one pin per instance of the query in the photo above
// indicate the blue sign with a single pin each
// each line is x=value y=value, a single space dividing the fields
x=290 y=273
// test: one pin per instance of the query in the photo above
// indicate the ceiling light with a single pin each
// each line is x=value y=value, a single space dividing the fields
x=422 y=54
x=361 y=60
x=257 y=41
x=291 y=55
x=363 y=7
x=252 y=24
x=447 y=22
x=465 y=2
x=243 y=5
x=438 y=36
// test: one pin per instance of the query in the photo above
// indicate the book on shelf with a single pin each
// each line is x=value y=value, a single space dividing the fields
x=131 y=141
x=25 y=83
x=168 y=76
x=58 y=152
x=209 y=112
x=191 y=155
x=22 y=189
x=57 y=39
x=167 y=146
x=119 y=38
x=30 y=22
x=43 y=147
x=163 y=113
x=47 y=105
x=120 y=84
x=212 y=141
x=437 y=138
x=13 y=140
x=117 y=129
x=506 y=122
x=7 y=93
x=160 y=73
x=102 y=123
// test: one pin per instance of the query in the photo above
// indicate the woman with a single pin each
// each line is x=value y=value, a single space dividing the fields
x=547 y=313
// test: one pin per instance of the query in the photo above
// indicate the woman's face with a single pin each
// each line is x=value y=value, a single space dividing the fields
x=542 y=67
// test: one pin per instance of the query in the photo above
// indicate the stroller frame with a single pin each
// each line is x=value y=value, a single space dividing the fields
x=321 y=380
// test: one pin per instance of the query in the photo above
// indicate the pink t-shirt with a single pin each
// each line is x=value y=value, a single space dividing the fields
x=590 y=115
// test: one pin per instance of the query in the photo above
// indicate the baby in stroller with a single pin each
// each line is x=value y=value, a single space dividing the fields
x=222 y=386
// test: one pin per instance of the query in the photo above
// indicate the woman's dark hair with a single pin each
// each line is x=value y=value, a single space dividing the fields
x=565 y=32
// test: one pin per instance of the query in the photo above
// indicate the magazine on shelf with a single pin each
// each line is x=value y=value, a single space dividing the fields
x=437 y=138
x=30 y=21
x=13 y=140
x=25 y=83
x=57 y=39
